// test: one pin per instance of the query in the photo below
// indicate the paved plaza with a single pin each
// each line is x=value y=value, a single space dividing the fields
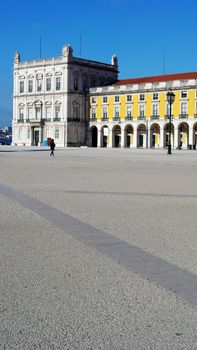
x=98 y=249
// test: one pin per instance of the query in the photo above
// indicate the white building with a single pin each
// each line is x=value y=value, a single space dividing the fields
x=50 y=97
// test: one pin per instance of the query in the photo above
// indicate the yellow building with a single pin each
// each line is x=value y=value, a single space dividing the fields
x=135 y=112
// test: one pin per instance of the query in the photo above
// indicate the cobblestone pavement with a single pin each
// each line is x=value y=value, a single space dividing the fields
x=98 y=249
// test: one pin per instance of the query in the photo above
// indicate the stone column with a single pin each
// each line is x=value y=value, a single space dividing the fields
x=135 y=136
x=148 y=136
x=99 y=139
x=110 y=137
x=161 y=137
x=191 y=135
x=122 y=138
x=176 y=137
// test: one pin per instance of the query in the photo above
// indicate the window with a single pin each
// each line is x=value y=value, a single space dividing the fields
x=93 y=113
x=76 y=111
x=20 y=134
x=48 y=112
x=30 y=85
x=155 y=96
x=142 y=97
x=39 y=84
x=21 y=113
x=85 y=84
x=30 y=113
x=128 y=111
x=58 y=83
x=38 y=112
x=155 y=110
x=48 y=84
x=117 y=112
x=104 y=112
x=183 y=108
x=47 y=132
x=93 y=99
x=183 y=94
x=57 y=112
x=76 y=83
x=117 y=99
x=141 y=110
x=57 y=133
x=104 y=99
x=129 y=98
x=22 y=87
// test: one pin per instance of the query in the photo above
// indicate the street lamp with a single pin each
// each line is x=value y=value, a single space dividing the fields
x=170 y=98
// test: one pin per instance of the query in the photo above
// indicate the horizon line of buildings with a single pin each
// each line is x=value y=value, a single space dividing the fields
x=81 y=102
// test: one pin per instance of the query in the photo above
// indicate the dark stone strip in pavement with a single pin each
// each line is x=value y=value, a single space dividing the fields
x=106 y=193
x=169 y=276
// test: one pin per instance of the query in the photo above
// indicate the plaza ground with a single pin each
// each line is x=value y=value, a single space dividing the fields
x=86 y=238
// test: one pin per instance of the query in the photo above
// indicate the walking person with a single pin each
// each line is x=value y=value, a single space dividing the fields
x=52 y=147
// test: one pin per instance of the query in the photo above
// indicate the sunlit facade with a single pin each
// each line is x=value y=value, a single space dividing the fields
x=134 y=113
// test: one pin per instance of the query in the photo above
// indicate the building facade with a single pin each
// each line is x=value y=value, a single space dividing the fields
x=135 y=113
x=50 y=98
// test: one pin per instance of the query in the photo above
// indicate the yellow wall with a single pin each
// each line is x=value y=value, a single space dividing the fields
x=110 y=107
x=176 y=105
x=162 y=107
x=191 y=102
x=123 y=107
x=148 y=105
x=135 y=107
x=99 y=109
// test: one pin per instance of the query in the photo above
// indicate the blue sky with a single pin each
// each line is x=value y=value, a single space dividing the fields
x=138 y=32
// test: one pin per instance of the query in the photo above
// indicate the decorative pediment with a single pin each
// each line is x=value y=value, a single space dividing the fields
x=48 y=103
x=39 y=76
x=57 y=102
x=30 y=76
x=48 y=75
x=21 y=77
x=58 y=73
x=21 y=104
x=38 y=103
x=30 y=104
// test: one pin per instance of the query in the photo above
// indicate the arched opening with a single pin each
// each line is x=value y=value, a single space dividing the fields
x=183 y=135
x=195 y=136
x=128 y=133
x=104 y=136
x=116 y=136
x=141 y=136
x=154 y=135
x=94 y=138
x=167 y=134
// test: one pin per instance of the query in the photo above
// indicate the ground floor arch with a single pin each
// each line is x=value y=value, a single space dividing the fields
x=94 y=136
x=141 y=136
x=128 y=136
x=116 y=136
x=183 y=135
x=167 y=131
x=154 y=135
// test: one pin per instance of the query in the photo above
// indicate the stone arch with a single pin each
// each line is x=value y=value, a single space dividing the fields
x=104 y=136
x=141 y=136
x=128 y=136
x=183 y=135
x=195 y=136
x=116 y=136
x=154 y=135
x=166 y=134
x=93 y=136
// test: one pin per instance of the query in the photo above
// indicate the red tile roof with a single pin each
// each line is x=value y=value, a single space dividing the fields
x=157 y=79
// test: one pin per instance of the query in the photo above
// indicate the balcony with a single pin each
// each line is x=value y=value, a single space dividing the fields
x=141 y=117
x=73 y=119
x=20 y=120
x=195 y=115
x=183 y=115
x=47 y=120
x=128 y=117
x=116 y=119
x=93 y=119
x=104 y=119
x=56 y=119
x=154 y=117
x=168 y=117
